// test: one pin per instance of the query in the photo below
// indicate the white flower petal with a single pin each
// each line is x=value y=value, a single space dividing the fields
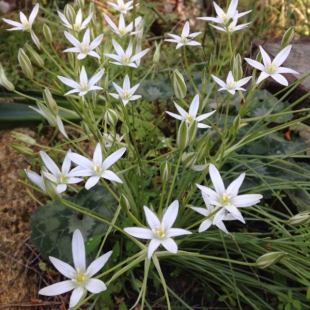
x=171 y=214
x=153 y=245
x=49 y=164
x=174 y=232
x=95 y=286
x=205 y=225
x=110 y=160
x=64 y=268
x=78 y=251
x=170 y=245
x=92 y=181
x=216 y=180
x=97 y=264
x=281 y=57
x=110 y=175
x=233 y=188
x=247 y=200
x=76 y=296
x=57 y=288
x=151 y=218
x=139 y=232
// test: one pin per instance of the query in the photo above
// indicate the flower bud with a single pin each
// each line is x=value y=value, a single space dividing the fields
x=24 y=150
x=35 y=39
x=50 y=102
x=24 y=138
x=70 y=14
x=192 y=130
x=236 y=123
x=110 y=117
x=80 y=3
x=165 y=171
x=47 y=34
x=4 y=81
x=157 y=52
x=203 y=148
x=300 y=218
x=36 y=58
x=189 y=159
x=51 y=189
x=25 y=64
x=237 y=67
x=124 y=203
x=269 y=259
x=178 y=84
x=287 y=38
x=182 y=137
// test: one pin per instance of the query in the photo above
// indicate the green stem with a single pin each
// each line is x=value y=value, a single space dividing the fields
x=188 y=72
x=162 y=278
x=174 y=177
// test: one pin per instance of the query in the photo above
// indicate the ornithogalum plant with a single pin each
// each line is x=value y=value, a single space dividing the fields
x=161 y=131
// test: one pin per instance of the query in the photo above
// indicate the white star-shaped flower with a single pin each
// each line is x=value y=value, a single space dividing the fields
x=125 y=58
x=186 y=38
x=60 y=178
x=84 y=48
x=227 y=199
x=231 y=85
x=210 y=220
x=225 y=18
x=121 y=6
x=25 y=24
x=111 y=139
x=126 y=93
x=191 y=115
x=272 y=68
x=97 y=168
x=80 y=278
x=160 y=232
x=232 y=27
x=84 y=86
x=79 y=24
x=122 y=29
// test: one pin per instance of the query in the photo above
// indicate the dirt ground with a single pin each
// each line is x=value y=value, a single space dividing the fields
x=20 y=278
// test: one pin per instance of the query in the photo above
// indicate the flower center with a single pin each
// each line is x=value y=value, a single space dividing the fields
x=125 y=59
x=84 y=86
x=76 y=26
x=84 y=47
x=231 y=84
x=225 y=18
x=25 y=24
x=231 y=28
x=123 y=31
x=225 y=198
x=190 y=118
x=126 y=94
x=159 y=231
x=96 y=167
x=80 y=278
x=184 y=39
x=271 y=68
x=63 y=178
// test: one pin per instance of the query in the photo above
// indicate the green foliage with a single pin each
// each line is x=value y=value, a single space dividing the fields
x=53 y=224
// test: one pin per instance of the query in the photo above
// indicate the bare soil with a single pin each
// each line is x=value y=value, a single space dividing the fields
x=20 y=278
